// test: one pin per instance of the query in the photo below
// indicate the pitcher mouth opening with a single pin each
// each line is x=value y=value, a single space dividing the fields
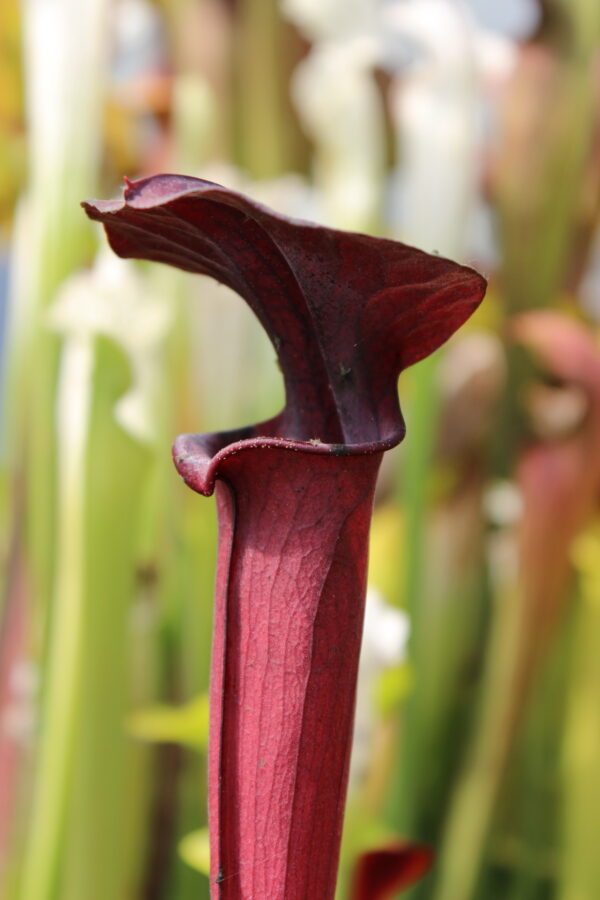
x=198 y=457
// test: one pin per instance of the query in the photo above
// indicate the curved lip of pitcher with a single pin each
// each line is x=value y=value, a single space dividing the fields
x=199 y=457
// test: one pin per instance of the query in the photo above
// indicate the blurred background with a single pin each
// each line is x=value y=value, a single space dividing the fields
x=465 y=127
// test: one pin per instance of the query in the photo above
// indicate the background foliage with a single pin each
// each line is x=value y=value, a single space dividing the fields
x=470 y=129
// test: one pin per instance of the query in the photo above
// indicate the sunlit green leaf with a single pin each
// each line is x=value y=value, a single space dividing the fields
x=186 y=724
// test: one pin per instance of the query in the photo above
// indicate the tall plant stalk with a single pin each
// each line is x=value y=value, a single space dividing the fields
x=65 y=49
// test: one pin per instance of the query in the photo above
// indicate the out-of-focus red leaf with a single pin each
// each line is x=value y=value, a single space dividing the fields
x=385 y=871
x=559 y=479
x=13 y=639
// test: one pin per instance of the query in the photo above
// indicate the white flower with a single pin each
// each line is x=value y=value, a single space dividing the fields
x=385 y=637
x=113 y=300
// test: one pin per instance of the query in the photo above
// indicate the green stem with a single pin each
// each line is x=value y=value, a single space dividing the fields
x=265 y=125
x=476 y=791
x=580 y=875
x=421 y=423
x=63 y=694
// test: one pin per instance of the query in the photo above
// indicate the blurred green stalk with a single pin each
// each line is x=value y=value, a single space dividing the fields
x=77 y=839
x=580 y=871
x=422 y=419
x=542 y=171
x=79 y=557
x=62 y=671
x=476 y=791
x=65 y=48
x=539 y=200
x=445 y=619
x=267 y=136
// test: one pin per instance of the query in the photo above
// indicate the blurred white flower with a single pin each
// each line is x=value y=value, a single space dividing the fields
x=434 y=104
x=442 y=64
x=114 y=300
x=503 y=504
x=139 y=44
x=385 y=637
x=66 y=48
x=516 y=19
x=332 y=19
x=341 y=107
